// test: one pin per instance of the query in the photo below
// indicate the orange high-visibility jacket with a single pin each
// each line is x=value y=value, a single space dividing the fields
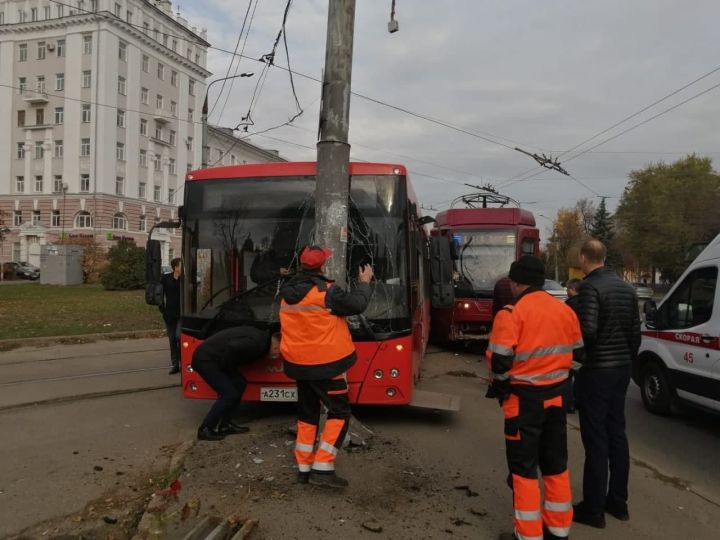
x=540 y=334
x=311 y=334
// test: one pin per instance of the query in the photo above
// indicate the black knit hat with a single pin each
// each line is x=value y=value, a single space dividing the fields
x=528 y=270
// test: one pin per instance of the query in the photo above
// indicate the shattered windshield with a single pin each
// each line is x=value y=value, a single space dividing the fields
x=483 y=258
x=245 y=234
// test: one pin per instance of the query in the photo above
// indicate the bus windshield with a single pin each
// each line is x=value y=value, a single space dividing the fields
x=243 y=234
x=483 y=258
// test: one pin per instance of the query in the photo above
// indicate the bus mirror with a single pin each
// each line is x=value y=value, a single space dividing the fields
x=424 y=220
x=153 y=271
x=441 y=273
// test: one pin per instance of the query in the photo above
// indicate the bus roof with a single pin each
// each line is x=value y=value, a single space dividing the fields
x=300 y=168
x=476 y=217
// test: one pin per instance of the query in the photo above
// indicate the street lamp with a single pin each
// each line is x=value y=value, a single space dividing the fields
x=205 y=147
x=3 y=232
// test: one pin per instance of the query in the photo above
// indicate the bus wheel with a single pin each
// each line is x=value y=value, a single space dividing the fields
x=655 y=388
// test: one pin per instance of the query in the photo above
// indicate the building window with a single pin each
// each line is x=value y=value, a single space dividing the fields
x=21 y=118
x=61 y=48
x=121 y=118
x=85 y=113
x=59 y=149
x=159 y=101
x=41 y=50
x=118 y=10
x=86 y=78
x=173 y=108
x=38 y=184
x=93 y=5
x=36 y=217
x=22 y=52
x=40 y=84
x=39 y=150
x=191 y=87
x=145 y=64
x=143 y=158
x=33 y=14
x=143 y=127
x=174 y=44
x=59 y=115
x=47 y=13
x=190 y=115
x=188 y=167
x=173 y=136
x=144 y=96
x=142 y=226
x=22 y=85
x=156 y=193
x=141 y=190
x=158 y=133
x=20 y=184
x=17 y=218
x=172 y=167
x=39 y=117
x=161 y=71
x=20 y=150
x=87 y=44
x=197 y=58
x=122 y=52
x=174 y=78
x=2 y=17
x=119 y=222
x=60 y=10
x=84 y=183
x=165 y=38
x=59 y=82
x=189 y=144
x=120 y=151
x=83 y=220
x=157 y=162
x=55 y=218
x=171 y=195
x=146 y=28
x=128 y=16
x=119 y=185
x=57 y=184
x=85 y=147
x=21 y=16
x=122 y=86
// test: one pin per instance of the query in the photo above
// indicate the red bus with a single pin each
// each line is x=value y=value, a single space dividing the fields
x=241 y=224
x=486 y=241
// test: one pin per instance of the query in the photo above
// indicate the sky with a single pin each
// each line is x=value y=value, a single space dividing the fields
x=541 y=75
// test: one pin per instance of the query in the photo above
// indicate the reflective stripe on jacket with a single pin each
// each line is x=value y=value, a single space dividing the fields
x=538 y=334
x=311 y=334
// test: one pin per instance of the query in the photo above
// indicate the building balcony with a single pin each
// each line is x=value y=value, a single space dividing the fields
x=161 y=117
x=35 y=98
x=159 y=141
x=38 y=126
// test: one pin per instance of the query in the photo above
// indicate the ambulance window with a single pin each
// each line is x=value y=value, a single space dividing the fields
x=692 y=302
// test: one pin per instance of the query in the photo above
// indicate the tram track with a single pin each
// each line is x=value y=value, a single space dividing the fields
x=82 y=376
x=80 y=356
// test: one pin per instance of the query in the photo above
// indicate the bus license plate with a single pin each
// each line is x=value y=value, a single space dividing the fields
x=278 y=394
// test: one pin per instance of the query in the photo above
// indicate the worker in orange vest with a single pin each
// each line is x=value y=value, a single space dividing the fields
x=531 y=349
x=318 y=350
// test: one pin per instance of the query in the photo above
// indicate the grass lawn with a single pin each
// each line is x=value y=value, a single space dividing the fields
x=32 y=310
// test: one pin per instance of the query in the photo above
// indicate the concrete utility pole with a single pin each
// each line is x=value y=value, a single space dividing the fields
x=333 y=151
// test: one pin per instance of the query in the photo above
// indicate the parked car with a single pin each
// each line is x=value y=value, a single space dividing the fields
x=27 y=271
x=555 y=289
x=643 y=291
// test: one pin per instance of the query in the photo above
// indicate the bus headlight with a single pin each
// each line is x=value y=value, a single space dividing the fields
x=185 y=344
x=378 y=374
x=391 y=392
x=193 y=387
x=394 y=373
x=189 y=368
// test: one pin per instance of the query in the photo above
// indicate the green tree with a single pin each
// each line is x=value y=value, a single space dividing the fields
x=126 y=267
x=603 y=229
x=667 y=208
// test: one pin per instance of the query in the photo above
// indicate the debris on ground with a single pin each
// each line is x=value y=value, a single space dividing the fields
x=372 y=526
x=462 y=373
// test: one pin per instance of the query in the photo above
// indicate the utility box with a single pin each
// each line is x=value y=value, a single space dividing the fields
x=61 y=265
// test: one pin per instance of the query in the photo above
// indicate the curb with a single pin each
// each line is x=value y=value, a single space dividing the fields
x=10 y=344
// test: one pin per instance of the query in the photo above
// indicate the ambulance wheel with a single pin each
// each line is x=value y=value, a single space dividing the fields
x=656 y=390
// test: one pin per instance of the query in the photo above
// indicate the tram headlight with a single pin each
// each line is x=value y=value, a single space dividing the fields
x=394 y=373
x=378 y=374
x=466 y=305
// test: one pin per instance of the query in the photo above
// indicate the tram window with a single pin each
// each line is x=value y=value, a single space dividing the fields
x=528 y=247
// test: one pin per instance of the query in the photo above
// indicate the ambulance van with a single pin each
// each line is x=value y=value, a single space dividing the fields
x=679 y=357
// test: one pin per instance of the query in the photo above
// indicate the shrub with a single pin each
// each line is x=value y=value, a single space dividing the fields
x=126 y=267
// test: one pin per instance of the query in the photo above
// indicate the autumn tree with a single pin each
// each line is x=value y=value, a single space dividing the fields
x=586 y=211
x=568 y=233
x=665 y=209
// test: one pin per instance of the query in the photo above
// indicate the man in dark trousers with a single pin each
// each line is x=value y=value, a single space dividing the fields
x=170 y=309
x=218 y=360
x=610 y=323
x=572 y=287
x=318 y=349
x=531 y=347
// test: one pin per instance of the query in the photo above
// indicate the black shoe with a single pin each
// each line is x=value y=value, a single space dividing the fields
x=547 y=535
x=174 y=370
x=231 y=428
x=303 y=477
x=581 y=515
x=617 y=510
x=330 y=480
x=571 y=409
x=207 y=434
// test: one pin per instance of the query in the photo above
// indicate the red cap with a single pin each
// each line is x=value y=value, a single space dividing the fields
x=313 y=257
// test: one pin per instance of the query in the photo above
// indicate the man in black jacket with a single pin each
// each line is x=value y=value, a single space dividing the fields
x=610 y=323
x=217 y=360
x=170 y=309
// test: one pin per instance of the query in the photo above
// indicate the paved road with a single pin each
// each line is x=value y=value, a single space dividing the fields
x=54 y=447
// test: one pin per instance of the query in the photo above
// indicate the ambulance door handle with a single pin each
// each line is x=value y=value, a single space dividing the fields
x=706 y=338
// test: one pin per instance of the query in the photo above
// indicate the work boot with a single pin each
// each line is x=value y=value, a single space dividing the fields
x=174 y=369
x=231 y=428
x=582 y=515
x=206 y=434
x=325 y=479
x=547 y=535
x=618 y=510
x=303 y=477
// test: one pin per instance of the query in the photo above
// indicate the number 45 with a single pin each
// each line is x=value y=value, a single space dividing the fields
x=688 y=357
